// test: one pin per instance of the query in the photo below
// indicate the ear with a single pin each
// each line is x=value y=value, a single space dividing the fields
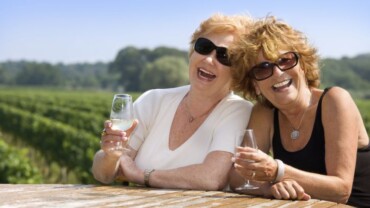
x=256 y=88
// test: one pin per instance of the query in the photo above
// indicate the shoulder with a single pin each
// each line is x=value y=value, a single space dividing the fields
x=237 y=101
x=338 y=103
x=337 y=96
x=261 y=115
x=233 y=108
x=160 y=94
x=262 y=111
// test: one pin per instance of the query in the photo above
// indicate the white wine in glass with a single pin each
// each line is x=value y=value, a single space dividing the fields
x=121 y=114
x=247 y=140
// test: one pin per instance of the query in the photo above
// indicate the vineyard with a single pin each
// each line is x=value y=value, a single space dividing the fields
x=58 y=133
x=50 y=136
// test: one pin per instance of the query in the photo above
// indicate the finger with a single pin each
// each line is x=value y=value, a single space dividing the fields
x=245 y=157
x=253 y=175
x=306 y=197
x=246 y=174
x=103 y=133
x=246 y=154
x=275 y=192
x=107 y=124
x=108 y=128
x=132 y=128
x=283 y=192
x=110 y=131
x=109 y=138
x=245 y=149
x=301 y=195
x=292 y=194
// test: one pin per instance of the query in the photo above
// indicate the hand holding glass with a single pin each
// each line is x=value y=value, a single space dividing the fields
x=121 y=115
x=247 y=138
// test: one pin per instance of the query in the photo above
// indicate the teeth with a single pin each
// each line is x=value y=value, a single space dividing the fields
x=285 y=82
x=206 y=72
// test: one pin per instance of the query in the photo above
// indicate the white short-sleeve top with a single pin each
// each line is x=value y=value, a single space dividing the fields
x=155 y=110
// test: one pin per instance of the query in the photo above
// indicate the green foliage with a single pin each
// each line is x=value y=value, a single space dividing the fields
x=130 y=68
x=58 y=142
x=131 y=62
x=364 y=107
x=55 y=123
x=165 y=72
x=15 y=167
x=63 y=126
x=352 y=74
x=43 y=74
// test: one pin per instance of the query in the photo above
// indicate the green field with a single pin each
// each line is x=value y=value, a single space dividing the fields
x=58 y=130
x=50 y=135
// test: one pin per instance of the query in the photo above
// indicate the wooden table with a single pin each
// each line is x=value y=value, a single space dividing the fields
x=57 y=195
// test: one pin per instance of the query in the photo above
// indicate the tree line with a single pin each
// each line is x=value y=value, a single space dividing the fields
x=137 y=70
x=132 y=69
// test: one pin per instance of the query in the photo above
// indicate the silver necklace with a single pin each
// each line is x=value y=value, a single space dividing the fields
x=193 y=118
x=295 y=131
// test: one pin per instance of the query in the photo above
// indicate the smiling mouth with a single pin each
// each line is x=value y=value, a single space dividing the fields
x=206 y=75
x=283 y=84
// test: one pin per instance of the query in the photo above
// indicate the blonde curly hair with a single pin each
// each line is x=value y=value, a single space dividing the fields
x=270 y=36
x=219 y=24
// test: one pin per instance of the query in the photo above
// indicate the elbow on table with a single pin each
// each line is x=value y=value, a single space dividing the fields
x=215 y=185
x=344 y=193
x=102 y=179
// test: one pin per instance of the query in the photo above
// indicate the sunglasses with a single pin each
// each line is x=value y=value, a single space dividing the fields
x=265 y=70
x=204 y=46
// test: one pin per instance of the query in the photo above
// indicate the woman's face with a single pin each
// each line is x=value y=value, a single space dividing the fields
x=282 y=88
x=206 y=73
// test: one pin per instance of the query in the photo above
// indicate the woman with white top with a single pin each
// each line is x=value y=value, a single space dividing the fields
x=184 y=137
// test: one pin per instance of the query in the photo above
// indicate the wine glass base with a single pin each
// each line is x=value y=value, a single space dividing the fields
x=247 y=187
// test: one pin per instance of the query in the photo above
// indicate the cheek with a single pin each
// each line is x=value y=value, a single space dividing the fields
x=225 y=74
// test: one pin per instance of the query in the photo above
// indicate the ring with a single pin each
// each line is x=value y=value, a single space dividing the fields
x=253 y=174
x=104 y=132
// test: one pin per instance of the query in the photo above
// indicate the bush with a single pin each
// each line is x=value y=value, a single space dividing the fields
x=15 y=166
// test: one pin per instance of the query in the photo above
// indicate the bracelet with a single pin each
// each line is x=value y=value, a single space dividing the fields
x=280 y=171
x=146 y=176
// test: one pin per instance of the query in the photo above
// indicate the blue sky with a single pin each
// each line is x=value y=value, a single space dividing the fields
x=73 y=31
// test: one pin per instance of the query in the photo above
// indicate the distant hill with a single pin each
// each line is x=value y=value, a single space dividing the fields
x=350 y=73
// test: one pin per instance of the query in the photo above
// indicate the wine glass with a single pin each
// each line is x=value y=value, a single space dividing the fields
x=121 y=115
x=247 y=139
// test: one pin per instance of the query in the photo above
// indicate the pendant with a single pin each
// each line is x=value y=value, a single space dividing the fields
x=294 y=134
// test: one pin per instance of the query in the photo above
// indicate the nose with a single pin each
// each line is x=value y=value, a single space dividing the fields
x=211 y=57
x=276 y=70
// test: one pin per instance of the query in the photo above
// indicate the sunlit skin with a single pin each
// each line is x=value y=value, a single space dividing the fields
x=283 y=89
x=287 y=90
x=289 y=93
x=218 y=78
x=209 y=82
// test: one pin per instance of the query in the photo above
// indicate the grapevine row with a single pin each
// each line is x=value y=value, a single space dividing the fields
x=58 y=142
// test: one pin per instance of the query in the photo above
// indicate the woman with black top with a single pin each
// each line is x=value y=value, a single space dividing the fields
x=317 y=139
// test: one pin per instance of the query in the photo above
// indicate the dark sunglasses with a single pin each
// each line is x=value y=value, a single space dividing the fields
x=204 y=46
x=265 y=70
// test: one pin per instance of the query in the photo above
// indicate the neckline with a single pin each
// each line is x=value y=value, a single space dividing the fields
x=277 y=138
x=205 y=122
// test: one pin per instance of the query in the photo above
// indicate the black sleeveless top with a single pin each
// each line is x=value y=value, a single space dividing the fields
x=312 y=158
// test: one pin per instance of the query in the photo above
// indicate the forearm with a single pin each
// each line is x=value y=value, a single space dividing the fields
x=190 y=177
x=331 y=188
x=105 y=167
